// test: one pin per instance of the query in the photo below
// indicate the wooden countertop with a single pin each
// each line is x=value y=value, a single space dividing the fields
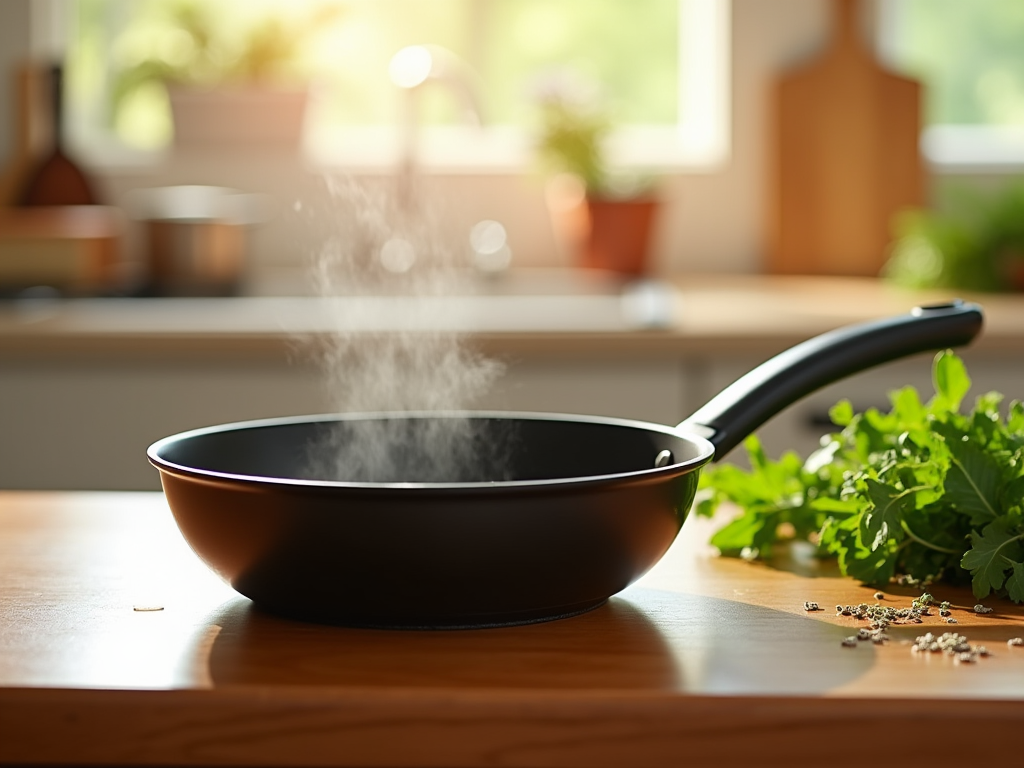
x=706 y=661
x=694 y=315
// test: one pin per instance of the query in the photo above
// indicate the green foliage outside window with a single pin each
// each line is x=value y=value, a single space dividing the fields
x=970 y=55
x=629 y=47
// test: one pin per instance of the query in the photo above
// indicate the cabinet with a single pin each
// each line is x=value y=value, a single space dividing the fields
x=86 y=425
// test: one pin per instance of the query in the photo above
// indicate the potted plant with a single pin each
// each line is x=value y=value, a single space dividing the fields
x=227 y=84
x=604 y=220
x=979 y=246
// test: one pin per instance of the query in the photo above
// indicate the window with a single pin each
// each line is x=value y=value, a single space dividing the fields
x=970 y=56
x=660 y=65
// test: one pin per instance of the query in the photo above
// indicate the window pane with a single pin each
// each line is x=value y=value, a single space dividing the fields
x=969 y=53
x=628 y=49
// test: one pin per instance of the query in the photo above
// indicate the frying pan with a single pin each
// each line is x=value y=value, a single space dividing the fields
x=585 y=506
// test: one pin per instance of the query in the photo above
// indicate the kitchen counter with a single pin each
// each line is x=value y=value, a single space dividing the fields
x=573 y=317
x=705 y=661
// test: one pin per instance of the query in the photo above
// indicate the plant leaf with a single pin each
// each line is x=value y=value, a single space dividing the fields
x=740 y=533
x=881 y=521
x=992 y=553
x=907 y=407
x=973 y=480
x=876 y=567
x=841 y=413
x=1015 y=417
x=951 y=380
x=840 y=506
x=1015 y=584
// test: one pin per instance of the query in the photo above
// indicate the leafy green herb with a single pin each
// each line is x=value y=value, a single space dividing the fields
x=923 y=491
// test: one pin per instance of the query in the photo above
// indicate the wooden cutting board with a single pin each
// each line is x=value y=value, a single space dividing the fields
x=845 y=155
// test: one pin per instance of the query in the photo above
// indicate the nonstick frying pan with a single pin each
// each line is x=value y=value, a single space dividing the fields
x=585 y=507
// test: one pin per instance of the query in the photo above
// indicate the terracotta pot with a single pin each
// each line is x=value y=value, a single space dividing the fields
x=612 y=235
x=620 y=232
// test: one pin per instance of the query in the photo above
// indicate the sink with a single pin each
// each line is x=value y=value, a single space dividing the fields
x=551 y=281
x=550 y=299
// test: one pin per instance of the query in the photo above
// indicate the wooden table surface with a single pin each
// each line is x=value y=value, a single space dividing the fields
x=705 y=661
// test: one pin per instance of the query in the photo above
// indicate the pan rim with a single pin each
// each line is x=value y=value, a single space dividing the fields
x=705 y=453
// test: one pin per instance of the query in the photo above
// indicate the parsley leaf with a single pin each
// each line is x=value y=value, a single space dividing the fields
x=881 y=522
x=1015 y=584
x=992 y=552
x=951 y=380
x=972 y=482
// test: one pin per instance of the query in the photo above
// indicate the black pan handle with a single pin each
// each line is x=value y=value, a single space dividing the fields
x=751 y=400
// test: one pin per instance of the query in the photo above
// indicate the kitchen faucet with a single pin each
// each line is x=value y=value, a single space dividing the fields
x=411 y=69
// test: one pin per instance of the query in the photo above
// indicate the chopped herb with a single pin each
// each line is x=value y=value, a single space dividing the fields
x=919 y=494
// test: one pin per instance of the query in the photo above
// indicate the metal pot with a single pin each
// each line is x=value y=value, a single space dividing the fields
x=195 y=237
x=587 y=505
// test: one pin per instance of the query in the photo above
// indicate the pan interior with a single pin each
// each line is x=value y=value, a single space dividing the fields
x=499 y=449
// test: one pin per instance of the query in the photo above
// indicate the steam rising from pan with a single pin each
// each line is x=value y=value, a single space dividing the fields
x=372 y=246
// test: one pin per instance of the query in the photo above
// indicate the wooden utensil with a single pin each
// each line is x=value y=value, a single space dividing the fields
x=57 y=180
x=31 y=131
x=846 y=158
